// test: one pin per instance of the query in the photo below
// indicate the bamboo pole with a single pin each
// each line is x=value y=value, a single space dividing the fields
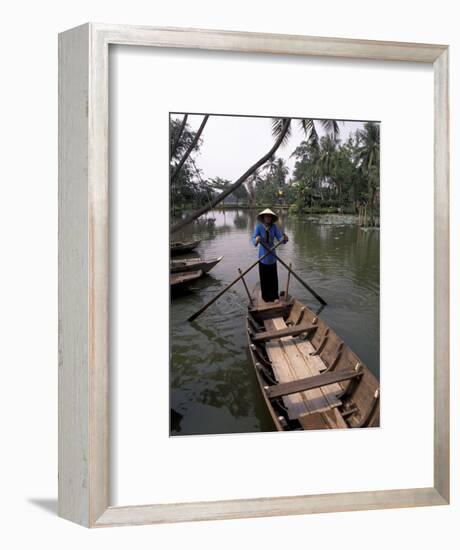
x=287 y=282
x=245 y=286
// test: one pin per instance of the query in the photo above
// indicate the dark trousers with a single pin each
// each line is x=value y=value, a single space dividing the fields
x=268 y=274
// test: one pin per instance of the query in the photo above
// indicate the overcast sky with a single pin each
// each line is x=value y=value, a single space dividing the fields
x=231 y=144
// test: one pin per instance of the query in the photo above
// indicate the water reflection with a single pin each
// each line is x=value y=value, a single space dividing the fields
x=213 y=386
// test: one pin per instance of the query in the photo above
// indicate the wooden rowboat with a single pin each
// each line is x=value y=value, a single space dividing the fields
x=178 y=280
x=183 y=247
x=193 y=264
x=309 y=378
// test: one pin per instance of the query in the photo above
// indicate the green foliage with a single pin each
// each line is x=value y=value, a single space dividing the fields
x=329 y=176
x=240 y=195
x=188 y=189
x=343 y=176
x=184 y=141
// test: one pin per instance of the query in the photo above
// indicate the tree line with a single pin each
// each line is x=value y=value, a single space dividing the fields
x=329 y=175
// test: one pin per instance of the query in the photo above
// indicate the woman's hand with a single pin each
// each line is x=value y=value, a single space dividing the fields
x=257 y=240
x=285 y=238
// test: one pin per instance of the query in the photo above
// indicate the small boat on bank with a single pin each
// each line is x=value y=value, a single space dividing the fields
x=194 y=264
x=309 y=378
x=183 y=247
x=181 y=279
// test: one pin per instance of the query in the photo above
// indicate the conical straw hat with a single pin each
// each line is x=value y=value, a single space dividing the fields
x=267 y=211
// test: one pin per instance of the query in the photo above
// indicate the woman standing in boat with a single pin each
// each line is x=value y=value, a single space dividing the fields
x=266 y=232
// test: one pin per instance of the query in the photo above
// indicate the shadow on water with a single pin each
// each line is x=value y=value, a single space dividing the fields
x=213 y=388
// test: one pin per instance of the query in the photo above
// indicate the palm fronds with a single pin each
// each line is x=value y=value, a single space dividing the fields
x=278 y=127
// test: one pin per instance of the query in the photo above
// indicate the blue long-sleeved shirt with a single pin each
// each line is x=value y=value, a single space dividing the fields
x=274 y=232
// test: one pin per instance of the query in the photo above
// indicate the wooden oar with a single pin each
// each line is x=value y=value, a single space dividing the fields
x=302 y=282
x=217 y=296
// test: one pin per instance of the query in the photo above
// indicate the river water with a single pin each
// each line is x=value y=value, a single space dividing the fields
x=212 y=383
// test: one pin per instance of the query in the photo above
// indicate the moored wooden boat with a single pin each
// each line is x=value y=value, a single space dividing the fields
x=309 y=377
x=182 y=279
x=194 y=264
x=183 y=247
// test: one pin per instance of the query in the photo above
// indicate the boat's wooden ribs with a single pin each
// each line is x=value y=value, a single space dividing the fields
x=321 y=345
x=254 y=324
x=311 y=383
x=352 y=385
x=338 y=354
x=260 y=355
x=349 y=412
x=265 y=373
x=370 y=411
x=300 y=317
x=281 y=333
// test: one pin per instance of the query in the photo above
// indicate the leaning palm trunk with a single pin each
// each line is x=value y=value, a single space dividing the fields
x=178 y=136
x=231 y=188
x=190 y=149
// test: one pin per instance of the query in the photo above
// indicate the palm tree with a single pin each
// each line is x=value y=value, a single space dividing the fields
x=369 y=148
x=251 y=187
x=270 y=165
x=312 y=142
x=326 y=162
x=309 y=127
x=318 y=154
x=281 y=171
x=327 y=159
x=368 y=156
x=277 y=169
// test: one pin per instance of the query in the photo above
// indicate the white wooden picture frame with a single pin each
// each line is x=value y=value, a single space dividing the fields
x=84 y=274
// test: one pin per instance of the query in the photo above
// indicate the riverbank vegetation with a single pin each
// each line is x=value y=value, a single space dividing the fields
x=330 y=174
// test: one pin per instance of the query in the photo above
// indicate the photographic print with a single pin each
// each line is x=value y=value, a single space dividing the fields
x=274 y=273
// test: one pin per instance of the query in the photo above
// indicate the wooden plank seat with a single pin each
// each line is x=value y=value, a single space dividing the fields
x=270 y=310
x=281 y=333
x=310 y=383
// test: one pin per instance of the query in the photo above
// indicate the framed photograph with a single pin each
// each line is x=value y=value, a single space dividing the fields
x=316 y=186
x=253 y=316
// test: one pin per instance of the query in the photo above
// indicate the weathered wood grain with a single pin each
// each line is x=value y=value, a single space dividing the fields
x=270 y=43
x=289 y=365
x=263 y=507
x=310 y=383
x=73 y=374
x=441 y=276
x=280 y=333
x=83 y=276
